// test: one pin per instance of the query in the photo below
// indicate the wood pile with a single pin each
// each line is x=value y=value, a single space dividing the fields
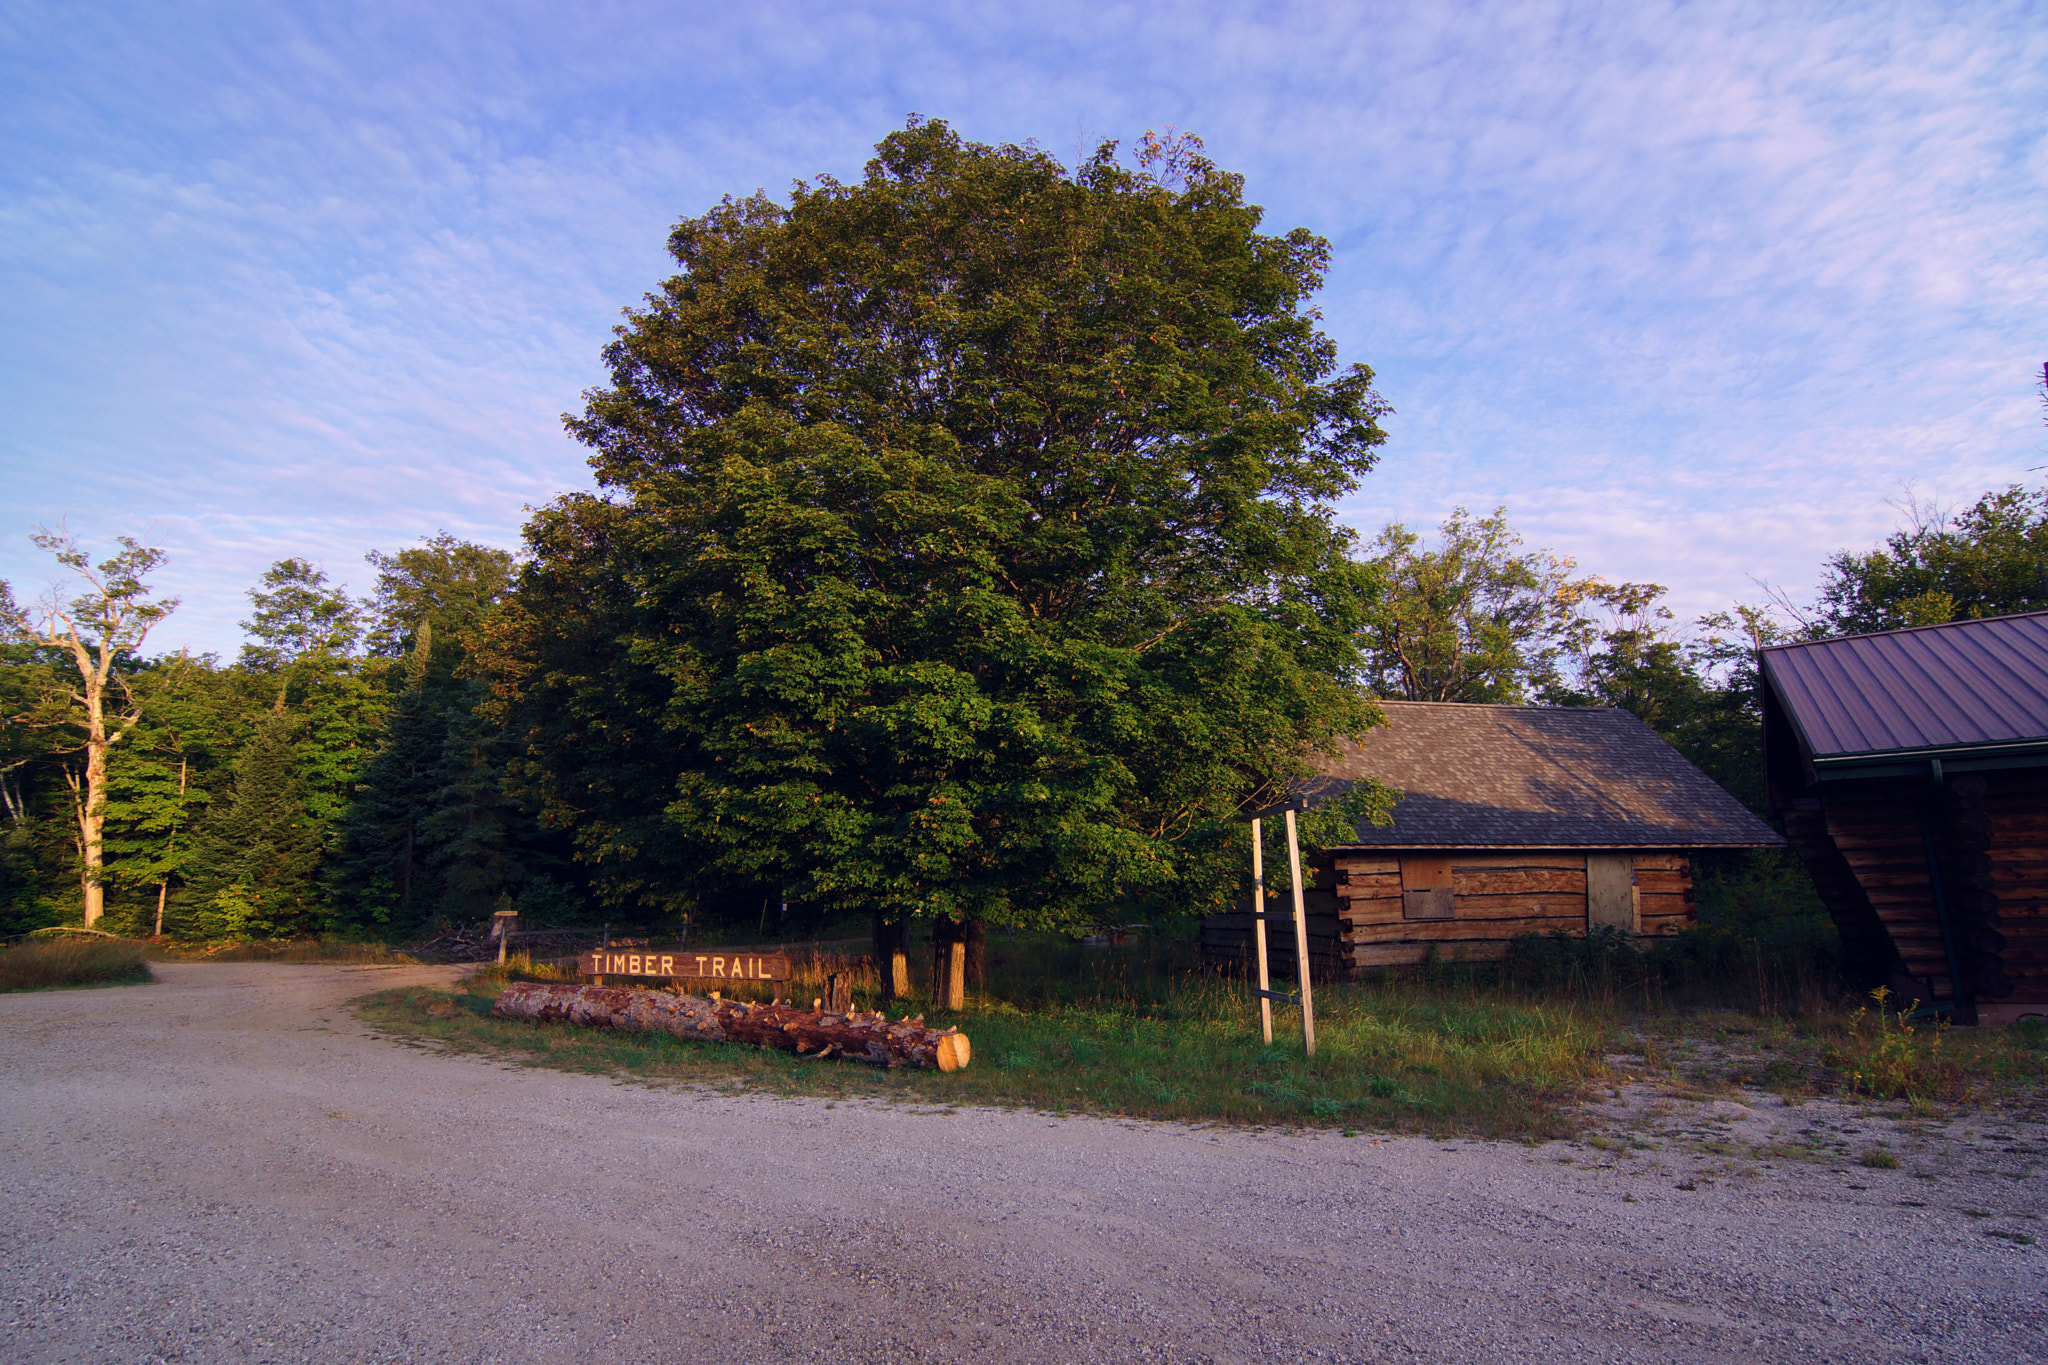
x=819 y=1033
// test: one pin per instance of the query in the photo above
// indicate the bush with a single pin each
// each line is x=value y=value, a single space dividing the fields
x=48 y=964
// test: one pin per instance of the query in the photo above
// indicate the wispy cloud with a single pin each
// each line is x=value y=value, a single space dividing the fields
x=1691 y=288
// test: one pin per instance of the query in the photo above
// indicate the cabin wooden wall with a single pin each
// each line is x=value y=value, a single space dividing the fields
x=1227 y=938
x=1875 y=825
x=1866 y=948
x=2016 y=804
x=1389 y=904
x=1664 y=892
x=1990 y=834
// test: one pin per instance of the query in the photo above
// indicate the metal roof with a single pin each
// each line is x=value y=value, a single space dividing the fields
x=1965 y=686
x=1479 y=776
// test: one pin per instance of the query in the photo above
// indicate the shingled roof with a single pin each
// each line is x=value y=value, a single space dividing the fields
x=1536 y=777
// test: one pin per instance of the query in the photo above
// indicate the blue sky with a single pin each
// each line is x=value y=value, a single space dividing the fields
x=1695 y=290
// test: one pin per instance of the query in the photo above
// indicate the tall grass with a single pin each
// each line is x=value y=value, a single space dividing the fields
x=41 y=964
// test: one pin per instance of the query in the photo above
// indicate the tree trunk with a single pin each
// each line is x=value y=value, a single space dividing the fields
x=892 y=957
x=88 y=814
x=163 y=888
x=949 y=964
x=977 y=955
x=860 y=1037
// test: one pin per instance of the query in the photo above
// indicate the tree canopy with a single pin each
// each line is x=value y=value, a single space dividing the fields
x=1989 y=560
x=965 y=547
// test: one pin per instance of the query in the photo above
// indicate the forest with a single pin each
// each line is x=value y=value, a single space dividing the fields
x=347 y=774
x=963 y=550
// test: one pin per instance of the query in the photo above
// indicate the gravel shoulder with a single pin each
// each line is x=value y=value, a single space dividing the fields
x=227 y=1166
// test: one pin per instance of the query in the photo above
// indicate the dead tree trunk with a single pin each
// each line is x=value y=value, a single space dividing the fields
x=862 y=1037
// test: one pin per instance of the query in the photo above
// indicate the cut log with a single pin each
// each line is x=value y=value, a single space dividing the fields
x=861 y=1037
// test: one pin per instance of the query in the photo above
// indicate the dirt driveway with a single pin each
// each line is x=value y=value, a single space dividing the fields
x=225 y=1166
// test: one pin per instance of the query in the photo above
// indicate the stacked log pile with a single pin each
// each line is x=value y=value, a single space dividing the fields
x=860 y=1037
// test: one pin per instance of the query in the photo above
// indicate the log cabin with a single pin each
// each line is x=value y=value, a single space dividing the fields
x=1511 y=820
x=1910 y=768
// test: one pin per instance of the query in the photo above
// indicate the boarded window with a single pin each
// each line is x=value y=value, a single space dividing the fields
x=1611 y=898
x=1425 y=886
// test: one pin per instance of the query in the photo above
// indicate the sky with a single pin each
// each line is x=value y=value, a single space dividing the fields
x=1698 y=292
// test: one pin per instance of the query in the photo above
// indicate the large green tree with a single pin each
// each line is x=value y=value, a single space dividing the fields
x=966 y=546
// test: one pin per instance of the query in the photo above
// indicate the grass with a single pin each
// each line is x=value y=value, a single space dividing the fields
x=1129 y=1031
x=1139 y=1031
x=42 y=964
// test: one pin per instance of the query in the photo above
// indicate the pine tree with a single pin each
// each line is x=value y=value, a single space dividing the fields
x=261 y=851
x=380 y=874
x=474 y=828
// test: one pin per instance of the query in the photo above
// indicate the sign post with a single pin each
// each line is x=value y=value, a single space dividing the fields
x=1260 y=918
x=503 y=923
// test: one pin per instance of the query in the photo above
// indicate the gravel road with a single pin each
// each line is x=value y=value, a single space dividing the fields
x=227 y=1166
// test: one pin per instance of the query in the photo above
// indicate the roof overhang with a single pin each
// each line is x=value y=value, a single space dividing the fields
x=2029 y=753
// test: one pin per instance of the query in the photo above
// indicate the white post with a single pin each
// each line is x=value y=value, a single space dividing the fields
x=1308 y=1012
x=1259 y=929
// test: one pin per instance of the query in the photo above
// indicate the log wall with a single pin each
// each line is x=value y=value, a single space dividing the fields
x=1875 y=825
x=1371 y=908
x=2016 y=804
x=1227 y=938
x=1866 y=950
x=1990 y=833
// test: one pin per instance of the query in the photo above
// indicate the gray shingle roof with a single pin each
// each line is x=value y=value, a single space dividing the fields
x=1968 y=684
x=1537 y=777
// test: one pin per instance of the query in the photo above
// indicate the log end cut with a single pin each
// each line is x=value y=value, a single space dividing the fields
x=954 y=1051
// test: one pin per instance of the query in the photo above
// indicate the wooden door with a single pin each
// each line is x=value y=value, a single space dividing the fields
x=1611 y=892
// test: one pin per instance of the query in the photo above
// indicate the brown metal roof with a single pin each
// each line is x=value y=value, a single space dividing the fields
x=1965 y=685
x=1537 y=777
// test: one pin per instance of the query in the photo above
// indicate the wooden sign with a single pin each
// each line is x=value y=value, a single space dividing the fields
x=713 y=966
